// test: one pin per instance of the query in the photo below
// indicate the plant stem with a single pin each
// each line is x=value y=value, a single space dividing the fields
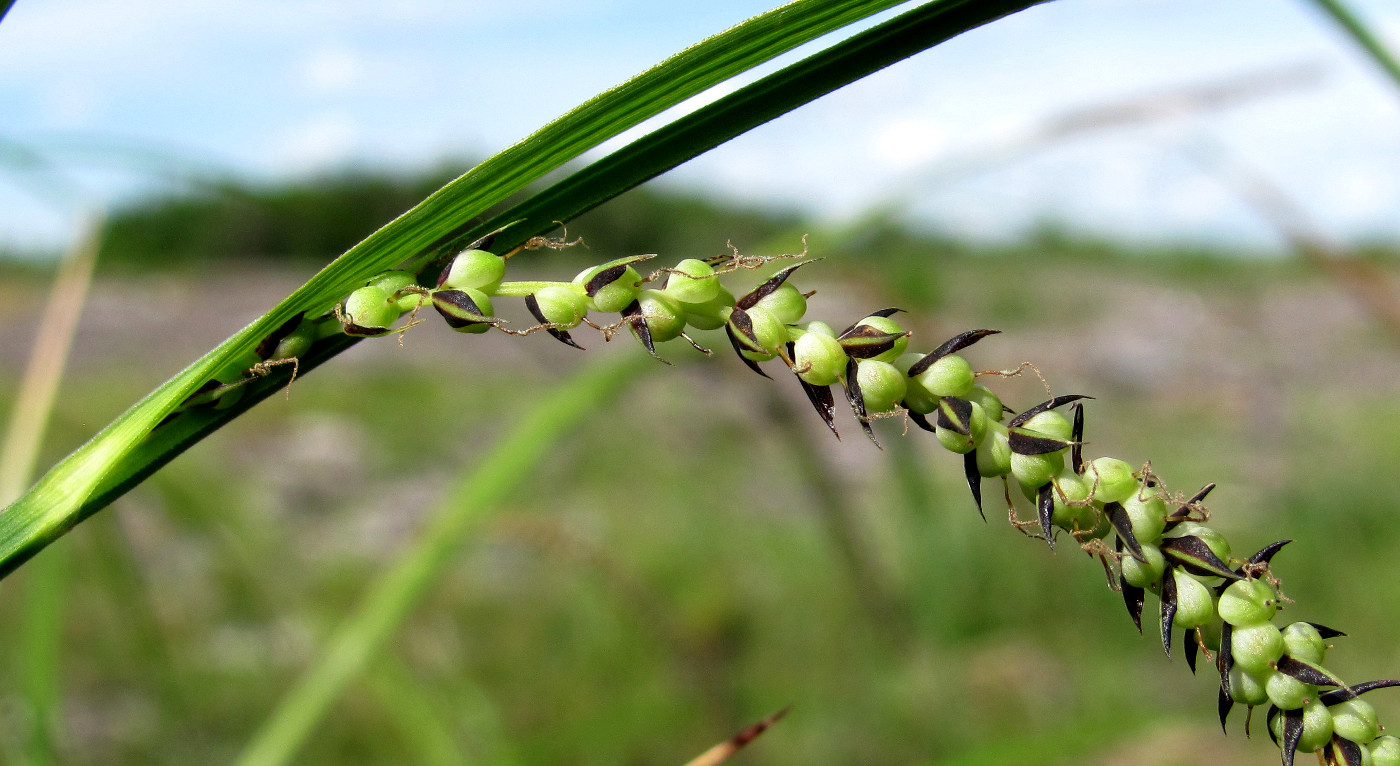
x=473 y=500
x=1363 y=36
x=522 y=289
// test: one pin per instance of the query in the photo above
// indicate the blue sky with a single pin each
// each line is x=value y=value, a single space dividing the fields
x=280 y=89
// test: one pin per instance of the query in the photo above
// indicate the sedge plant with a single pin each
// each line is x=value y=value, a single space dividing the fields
x=1224 y=604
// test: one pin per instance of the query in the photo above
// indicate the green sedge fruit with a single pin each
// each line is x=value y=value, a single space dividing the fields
x=1034 y=471
x=769 y=335
x=474 y=270
x=787 y=303
x=370 y=312
x=696 y=282
x=562 y=306
x=1317 y=727
x=1145 y=573
x=989 y=402
x=1287 y=692
x=711 y=314
x=1148 y=517
x=1194 y=604
x=394 y=283
x=1111 y=478
x=1247 y=689
x=663 y=314
x=881 y=385
x=820 y=328
x=916 y=397
x=1302 y=642
x=820 y=358
x=994 y=453
x=1071 y=512
x=887 y=325
x=1356 y=720
x=1385 y=751
x=1052 y=424
x=616 y=294
x=1249 y=602
x=1256 y=647
x=949 y=376
x=1213 y=539
x=1210 y=634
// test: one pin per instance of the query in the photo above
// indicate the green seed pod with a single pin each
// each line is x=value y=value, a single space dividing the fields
x=1111 y=478
x=916 y=397
x=1210 y=634
x=994 y=452
x=1249 y=602
x=949 y=376
x=711 y=314
x=1148 y=517
x=1256 y=647
x=695 y=284
x=886 y=325
x=237 y=368
x=1034 y=471
x=1302 y=641
x=820 y=328
x=1286 y=691
x=1385 y=751
x=370 y=313
x=664 y=316
x=474 y=270
x=1070 y=490
x=821 y=358
x=1050 y=423
x=296 y=343
x=1317 y=727
x=1146 y=573
x=1213 y=539
x=768 y=334
x=1355 y=720
x=990 y=402
x=611 y=286
x=881 y=385
x=1194 y=603
x=563 y=306
x=1247 y=689
x=464 y=310
x=787 y=303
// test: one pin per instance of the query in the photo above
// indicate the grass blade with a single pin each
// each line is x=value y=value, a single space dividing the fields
x=469 y=503
x=60 y=500
x=1354 y=26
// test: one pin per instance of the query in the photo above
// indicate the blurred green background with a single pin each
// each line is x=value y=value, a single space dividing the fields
x=701 y=552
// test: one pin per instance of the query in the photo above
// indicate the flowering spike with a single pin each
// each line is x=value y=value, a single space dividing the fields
x=1325 y=631
x=1076 y=450
x=767 y=288
x=974 y=480
x=1051 y=404
x=958 y=343
x=561 y=335
x=857 y=402
x=886 y=312
x=1333 y=696
x=1266 y=554
x=1292 y=733
x=1344 y=752
x=867 y=341
x=741 y=319
x=821 y=399
x=612 y=273
x=1045 y=505
x=1192 y=554
x=633 y=311
x=1168 y=608
x=955 y=415
x=1118 y=517
x=1224 y=659
x=1307 y=672
x=1026 y=442
x=1181 y=514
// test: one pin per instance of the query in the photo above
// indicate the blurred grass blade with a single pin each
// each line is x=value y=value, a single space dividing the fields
x=43 y=592
x=471 y=501
x=722 y=752
x=1362 y=34
x=417 y=716
x=59 y=500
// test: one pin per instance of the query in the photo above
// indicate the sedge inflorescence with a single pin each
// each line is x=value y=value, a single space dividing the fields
x=1223 y=606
